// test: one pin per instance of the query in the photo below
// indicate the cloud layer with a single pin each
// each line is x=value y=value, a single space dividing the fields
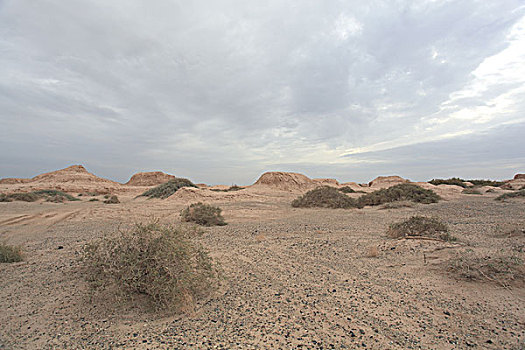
x=220 y=91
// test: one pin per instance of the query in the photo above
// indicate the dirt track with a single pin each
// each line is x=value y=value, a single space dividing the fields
x=294 y=278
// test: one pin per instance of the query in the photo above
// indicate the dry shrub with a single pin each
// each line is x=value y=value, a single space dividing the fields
x=324 y=197
x=471 y=191
x=5 y=198
x=420 y=226
x=112 y=200
x=397 y=205
x=93 y=200
x=520 y=193
x=9 y=253
x=504 y=270
x=166 y=189
x=203 y=214
x=24 y=197
x=55 y=196
x=159 y=262
x=372 y=252
x=401 y=192
x=230 y=189
x=346 y=189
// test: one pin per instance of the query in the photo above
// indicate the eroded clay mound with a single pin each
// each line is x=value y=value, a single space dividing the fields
x=446 y=192
x=519 y=177
x=152 y=178
x=387 y=181
x=285 y=181
x=516 y=183
x=74 y=173
x=327 y=182
x=14 y=181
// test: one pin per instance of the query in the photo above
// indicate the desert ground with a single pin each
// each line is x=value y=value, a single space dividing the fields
x=293 y=278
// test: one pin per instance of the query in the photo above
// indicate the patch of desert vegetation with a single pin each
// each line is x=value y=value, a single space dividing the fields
x=397 y=205
x=229 y=189
x=471 y=190
x=10 y=253
x=505 y=270
x=401 y=192
x=166 y=189
x=111 y=199
x=159 y=262
x=517 y=194
x=420 y=226
x=324 y=197
x=203 y=214
x=48 y=195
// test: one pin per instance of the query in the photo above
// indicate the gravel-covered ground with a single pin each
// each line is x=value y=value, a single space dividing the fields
x=293 y=278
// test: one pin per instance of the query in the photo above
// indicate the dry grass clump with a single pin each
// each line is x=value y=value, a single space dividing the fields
x=166 y=189
x=9 y=253
x=520 y=193
x=230 y=189
x=24 y=197
x=401 y=192
x=203 y=214
x=324 y=197
x=112 y=200
x=158 y=262
x=346 y=189
x=471 y=191
x=420 y=226
x=452 y=181
x=397 y=205
x=503 y=270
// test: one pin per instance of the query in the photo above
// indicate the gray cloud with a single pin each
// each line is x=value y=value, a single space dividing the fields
x=220 y=91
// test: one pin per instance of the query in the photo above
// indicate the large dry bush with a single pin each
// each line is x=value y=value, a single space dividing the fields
x=160 y=262
x=10 y=253
x=504 y=269
x=49 y=195
x=401 y=192
x=203 y=214
x=324 y=197
x=168 y=188
x=346 y=189
x=420 y=226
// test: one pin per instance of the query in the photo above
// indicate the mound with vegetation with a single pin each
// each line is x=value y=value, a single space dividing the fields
x=517 y=194
x=157 y=261
x=324 y=197
x=420 y=226
x=49 y=195
x=346 y=189
x=166 y=189
x=9 y=253
x=452 y=181
x=401 y=192
x=203 y=214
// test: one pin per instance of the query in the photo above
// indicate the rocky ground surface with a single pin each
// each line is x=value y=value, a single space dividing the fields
x=293 y=279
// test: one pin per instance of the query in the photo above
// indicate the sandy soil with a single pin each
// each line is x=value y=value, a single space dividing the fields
x=294 y=278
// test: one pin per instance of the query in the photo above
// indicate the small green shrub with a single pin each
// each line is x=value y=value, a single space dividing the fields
x=401 y=192
x=420 y=226
x=203 y=214
x=168 y=188
x=324 y=197
x=471 y=191
x=9 y=253
x=157 y=261
x=112 y=200
x=93 y=200
x=346 y=189
x=452 y=181
x=520 y=193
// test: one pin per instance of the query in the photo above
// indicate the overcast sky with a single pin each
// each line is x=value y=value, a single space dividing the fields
x=221 y=91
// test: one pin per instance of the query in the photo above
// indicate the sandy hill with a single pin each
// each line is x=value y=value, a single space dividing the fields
x=387 y=181
x=152 y=178
x=285 y=181
x=327 y=182
x=74 y=178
